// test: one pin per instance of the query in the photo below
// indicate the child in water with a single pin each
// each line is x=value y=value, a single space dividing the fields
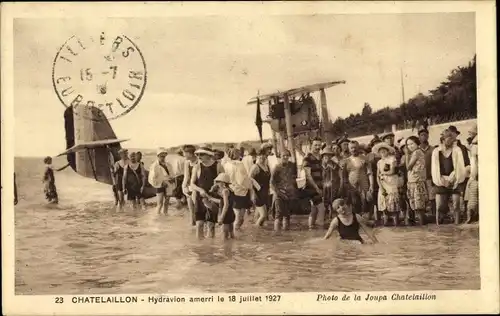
x=49 y=182
x=347 y=223
x=222 y=195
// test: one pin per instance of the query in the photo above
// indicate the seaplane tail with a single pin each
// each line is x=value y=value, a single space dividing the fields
x=91 y=144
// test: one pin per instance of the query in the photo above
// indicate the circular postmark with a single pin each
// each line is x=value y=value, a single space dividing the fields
x=101 y=77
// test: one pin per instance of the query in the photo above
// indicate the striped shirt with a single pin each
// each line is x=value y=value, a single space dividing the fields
x=316 y=169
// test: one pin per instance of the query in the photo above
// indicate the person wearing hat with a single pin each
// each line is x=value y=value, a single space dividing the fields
x=387 y=178
x=423 y=136
x=455 y=133
x=261 y=174
x=285 y=192
x=388 y=139
x=241 y=185
x=160 y=178
x=119 y=169
x=202 y=179
x=448 y=172
x=332 y=180
x=189 y=164
x=344 y=147
x=222 y=195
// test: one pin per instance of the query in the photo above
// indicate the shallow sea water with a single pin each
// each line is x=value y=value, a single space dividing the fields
x=84 y=246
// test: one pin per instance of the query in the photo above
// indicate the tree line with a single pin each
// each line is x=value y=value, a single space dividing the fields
x=454 y=99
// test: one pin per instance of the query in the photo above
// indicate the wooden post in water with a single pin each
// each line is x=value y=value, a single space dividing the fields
x=289 y=130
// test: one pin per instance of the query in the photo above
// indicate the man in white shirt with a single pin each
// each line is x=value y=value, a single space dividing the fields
x=160 y=177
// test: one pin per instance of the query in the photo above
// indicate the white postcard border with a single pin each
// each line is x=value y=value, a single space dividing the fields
x=485 y=300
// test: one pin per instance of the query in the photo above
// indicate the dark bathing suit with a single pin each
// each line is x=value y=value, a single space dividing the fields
x=446 y=168
x=262 y=196
x=205 y=181
x=230 y=217
x=317 y=175
x=163 y=188
x=134 y=183
x=349 y=232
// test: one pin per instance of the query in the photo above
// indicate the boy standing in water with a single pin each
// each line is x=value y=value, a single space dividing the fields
x=284 y=187
x=348 y=223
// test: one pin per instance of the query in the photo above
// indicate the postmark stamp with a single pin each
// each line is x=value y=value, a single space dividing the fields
x=107 y=72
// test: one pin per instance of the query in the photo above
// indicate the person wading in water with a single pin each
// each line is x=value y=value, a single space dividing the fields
x=314 y=187
x=472 y=190
x=138 y=157
x=160 y=178
x=202 y=179
x=222 y=195
x=416 y=187
x=241 y=185
x=387 y=178
x=285 y=191
x=332 y=180
x=134 y=181
x=348 y=223
x=423 y=135
x=448 y=172
x=261 y=174
x=189 y=164
x=358 y=178
x=119 y=169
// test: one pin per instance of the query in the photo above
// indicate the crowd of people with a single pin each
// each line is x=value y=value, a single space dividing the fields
x=344 y=183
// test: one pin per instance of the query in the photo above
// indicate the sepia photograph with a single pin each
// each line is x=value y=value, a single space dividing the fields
x=249 y=154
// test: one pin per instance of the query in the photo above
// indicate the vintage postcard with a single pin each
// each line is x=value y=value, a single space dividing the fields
x=261 y=158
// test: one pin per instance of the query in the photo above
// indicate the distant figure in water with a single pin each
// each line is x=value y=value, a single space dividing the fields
x=49 y=181
x=347 y=223
x=15 y=190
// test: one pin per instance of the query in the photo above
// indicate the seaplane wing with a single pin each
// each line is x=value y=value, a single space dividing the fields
x=92 y=144
x=295 y=91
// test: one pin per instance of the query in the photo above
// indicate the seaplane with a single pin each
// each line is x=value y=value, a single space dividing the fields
x=293 y=114
x=92 y=146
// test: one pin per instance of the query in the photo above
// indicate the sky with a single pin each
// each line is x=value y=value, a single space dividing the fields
x=202 y=70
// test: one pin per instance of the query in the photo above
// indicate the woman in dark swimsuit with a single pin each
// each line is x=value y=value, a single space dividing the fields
x=202 y=180
x=119 y=169
x=347 y=223
x=262 y=175
x=134 y=181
